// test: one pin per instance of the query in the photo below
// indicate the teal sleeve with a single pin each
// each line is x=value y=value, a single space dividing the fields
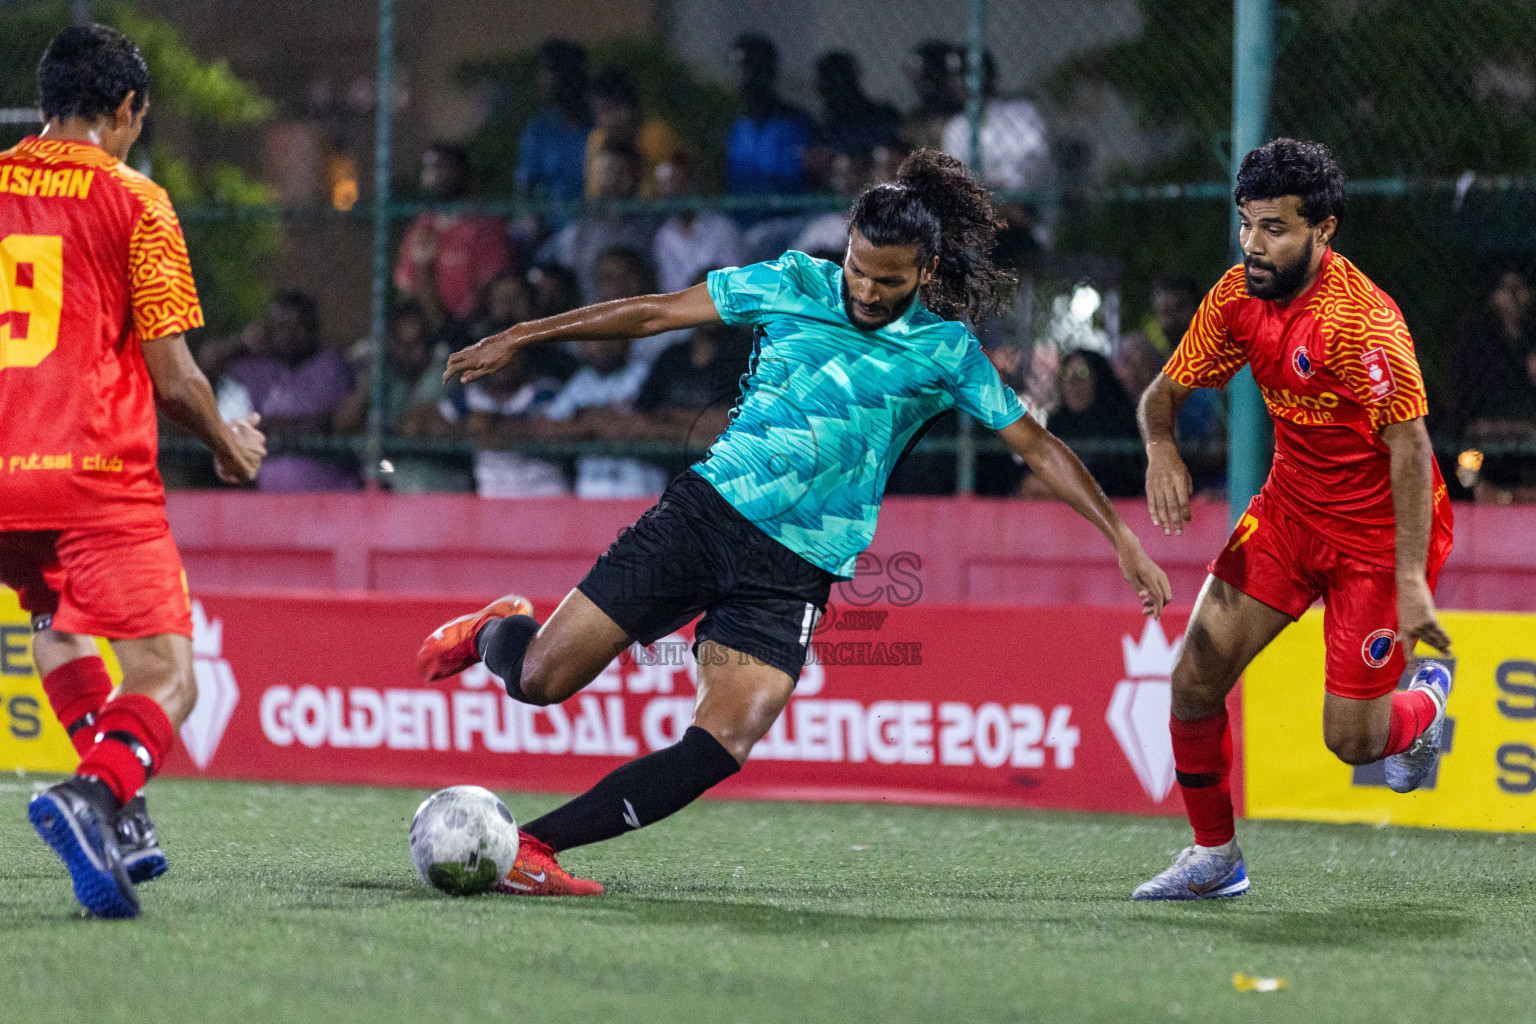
x=744 y=295
x=980 y=391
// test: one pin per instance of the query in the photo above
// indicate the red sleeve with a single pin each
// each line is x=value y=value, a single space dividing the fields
x=161 y=292
x=405 y=269
x=491 y=256
x=1209 y=355
x=1372 y=353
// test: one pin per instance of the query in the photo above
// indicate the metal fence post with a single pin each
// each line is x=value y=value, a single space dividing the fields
x=976 y=42
x=383 y=147
x=1253 y=53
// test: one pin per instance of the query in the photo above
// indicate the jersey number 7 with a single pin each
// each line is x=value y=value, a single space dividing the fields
x=31 y=298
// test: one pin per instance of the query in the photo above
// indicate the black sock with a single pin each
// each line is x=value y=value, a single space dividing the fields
x=501 y=644
x=639 y=793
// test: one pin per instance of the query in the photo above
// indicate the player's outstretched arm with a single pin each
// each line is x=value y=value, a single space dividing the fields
x=1413 y=505
x=1168 y=482
x=1065 y=474
x=619 y=320
x=183 y=394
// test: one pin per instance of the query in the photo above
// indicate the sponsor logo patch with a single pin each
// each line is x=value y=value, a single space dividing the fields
x=1376 y=368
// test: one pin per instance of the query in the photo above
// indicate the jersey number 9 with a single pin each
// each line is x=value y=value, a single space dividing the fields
x=31 y=298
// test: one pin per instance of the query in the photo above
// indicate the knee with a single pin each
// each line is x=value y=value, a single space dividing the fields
x=1352 y=747
x=541 y=682
x=1195 y=695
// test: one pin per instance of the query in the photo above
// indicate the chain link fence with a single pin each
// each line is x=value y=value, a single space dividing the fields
x=1103 y=125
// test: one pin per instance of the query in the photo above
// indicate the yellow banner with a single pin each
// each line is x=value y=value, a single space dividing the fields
x=1487 y=774
x=31 y=739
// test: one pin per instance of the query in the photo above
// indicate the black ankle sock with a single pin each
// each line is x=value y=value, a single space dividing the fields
x=639 y=793
x=501 y=644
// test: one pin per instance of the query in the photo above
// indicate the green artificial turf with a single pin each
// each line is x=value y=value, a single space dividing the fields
x=298 y=904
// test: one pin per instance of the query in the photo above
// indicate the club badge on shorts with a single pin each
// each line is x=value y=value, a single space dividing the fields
x=1301 y=363
x=1378 y=647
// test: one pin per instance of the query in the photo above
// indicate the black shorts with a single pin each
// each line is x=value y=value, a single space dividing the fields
x=693 y=552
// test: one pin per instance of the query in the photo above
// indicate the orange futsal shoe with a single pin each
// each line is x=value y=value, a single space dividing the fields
x=537 y=874
x=451 y=647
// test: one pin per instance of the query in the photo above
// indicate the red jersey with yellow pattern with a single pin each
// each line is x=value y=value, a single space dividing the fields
x=1336 y=365
x=92 y=265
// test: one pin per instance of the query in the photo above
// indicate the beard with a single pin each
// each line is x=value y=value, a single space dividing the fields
x=886 y=313
x=1284 y=281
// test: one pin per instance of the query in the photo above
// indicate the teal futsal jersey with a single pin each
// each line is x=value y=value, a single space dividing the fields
x=828 y=409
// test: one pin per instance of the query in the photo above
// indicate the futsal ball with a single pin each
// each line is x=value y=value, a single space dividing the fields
x=463 y=840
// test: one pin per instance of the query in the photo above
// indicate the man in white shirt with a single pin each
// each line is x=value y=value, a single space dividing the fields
x=692 y=242
x=1015 y=146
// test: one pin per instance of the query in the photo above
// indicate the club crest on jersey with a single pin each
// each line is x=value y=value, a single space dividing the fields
x=1301 y=363
x=1380 y=373
x=1378 y=647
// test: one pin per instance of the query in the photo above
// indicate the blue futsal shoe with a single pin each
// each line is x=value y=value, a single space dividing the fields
x=1199 y=873
x=136 y=841
x=1408 y=770
x=76 y=818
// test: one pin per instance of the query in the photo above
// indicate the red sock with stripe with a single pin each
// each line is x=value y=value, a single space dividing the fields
x=133 y=736
x=1412 y=713
x=76 y=691
x=1202 y=761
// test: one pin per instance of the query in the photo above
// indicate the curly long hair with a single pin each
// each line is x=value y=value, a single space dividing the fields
x=937 y=206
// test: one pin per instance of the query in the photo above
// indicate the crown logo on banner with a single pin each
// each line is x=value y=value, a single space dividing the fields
x=1138 y=711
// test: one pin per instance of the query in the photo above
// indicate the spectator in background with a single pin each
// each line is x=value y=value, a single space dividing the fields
x=416 y=357
x=598 y=402
x=498 y=411
x=552 y=151
x=555 y=289
x=623 y=272
x=1174 y=300
x=765 y=151
x=851 y=121
x=688 y=395
x=933 y=67
x=826 y=236
x=578 y=245
x=1493 y=385
x=297 y=386
x=1094 y=407
x=1015 y=150
x=618 y=122
x=446 y=258
x=695 y=240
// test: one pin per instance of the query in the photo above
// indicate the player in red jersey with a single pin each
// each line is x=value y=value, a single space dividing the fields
x=1354 y=510
x=96 y=295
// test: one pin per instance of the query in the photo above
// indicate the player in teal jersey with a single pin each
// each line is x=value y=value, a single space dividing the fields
x=852 y=365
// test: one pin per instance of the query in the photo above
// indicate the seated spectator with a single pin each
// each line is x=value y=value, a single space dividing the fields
x=415 y=359
x=496 y=412
x=934 y=68
x=1094 y=407
x=297 y=386
x=688 y=395
x=577 y=245
x=619 y=123
x=1015 y=150
x=765 y=150
x=827 y=233
x=552 y=151
x=851 y=121
x=555 y=289
x=1174 y=300
x=623 y=273
x=695 y=240
x=446 y=258
x=1493 y=385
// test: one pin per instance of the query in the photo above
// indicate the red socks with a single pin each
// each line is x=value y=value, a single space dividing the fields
x=76 y=691
x=134 y=736
x=1412 y=712
x=1202 y=760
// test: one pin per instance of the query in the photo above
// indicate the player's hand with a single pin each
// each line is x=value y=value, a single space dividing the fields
x=239 y=465
x=481 y=359
x=1168 y=487
x=1145 y=576
x=1416 y=619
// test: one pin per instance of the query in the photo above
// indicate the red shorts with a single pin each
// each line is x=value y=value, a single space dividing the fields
x=119 y=582
x=1275 y=559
